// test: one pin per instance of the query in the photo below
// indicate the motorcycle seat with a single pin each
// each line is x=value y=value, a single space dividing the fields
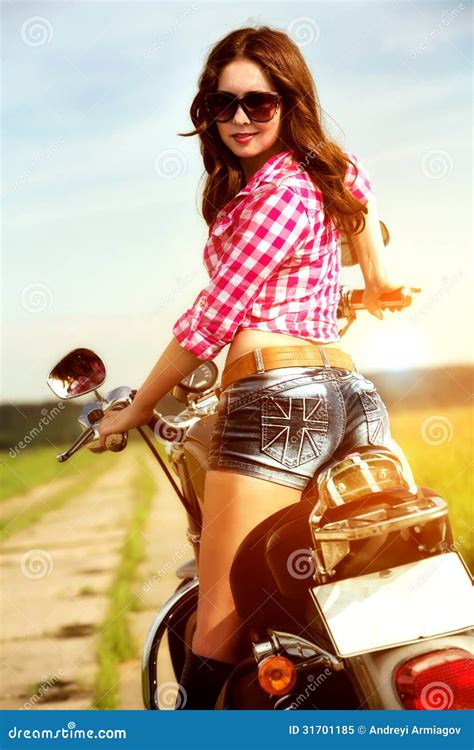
x=253 y=586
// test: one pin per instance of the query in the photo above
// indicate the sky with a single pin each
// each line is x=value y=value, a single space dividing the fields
x=102 y=234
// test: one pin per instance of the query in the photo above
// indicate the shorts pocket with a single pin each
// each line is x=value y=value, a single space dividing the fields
x=376 y=416
x=294 y=429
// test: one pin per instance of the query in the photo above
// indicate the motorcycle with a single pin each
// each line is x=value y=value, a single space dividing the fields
x=354 y=598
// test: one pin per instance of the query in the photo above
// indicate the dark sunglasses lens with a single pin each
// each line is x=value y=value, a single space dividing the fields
x=221 y=107
x=260 y=107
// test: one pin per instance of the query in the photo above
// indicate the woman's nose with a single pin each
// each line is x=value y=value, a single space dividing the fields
x=240 y=118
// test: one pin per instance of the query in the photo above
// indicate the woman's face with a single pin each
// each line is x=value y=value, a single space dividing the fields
x=238 y=78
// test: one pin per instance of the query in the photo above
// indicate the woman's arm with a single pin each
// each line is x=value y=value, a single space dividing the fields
x=173 y=365
x=368 y=247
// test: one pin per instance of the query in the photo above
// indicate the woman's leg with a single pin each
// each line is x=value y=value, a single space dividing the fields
x=233 y=505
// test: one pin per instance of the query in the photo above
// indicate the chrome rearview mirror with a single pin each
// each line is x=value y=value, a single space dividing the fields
x=79 y=372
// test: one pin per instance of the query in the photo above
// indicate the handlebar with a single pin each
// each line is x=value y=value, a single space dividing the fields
x=116 y=442
x=350 y=301
x=398 y=298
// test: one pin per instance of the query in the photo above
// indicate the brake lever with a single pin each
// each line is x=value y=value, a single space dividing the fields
x=90 y=434
x=86 y=437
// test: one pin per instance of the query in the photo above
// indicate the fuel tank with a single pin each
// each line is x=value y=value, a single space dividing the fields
x=196 y=449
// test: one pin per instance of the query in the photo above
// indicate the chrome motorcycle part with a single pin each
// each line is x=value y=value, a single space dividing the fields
x=150 y=682
x=77 y=373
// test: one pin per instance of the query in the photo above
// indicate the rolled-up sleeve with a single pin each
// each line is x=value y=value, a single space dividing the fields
x=358 y=180
x=272 y=224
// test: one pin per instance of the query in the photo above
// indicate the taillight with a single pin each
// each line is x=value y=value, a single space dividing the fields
x=439 y=680
x=277 y=675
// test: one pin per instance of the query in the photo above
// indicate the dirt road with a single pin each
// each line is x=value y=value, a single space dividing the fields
x=55 y=578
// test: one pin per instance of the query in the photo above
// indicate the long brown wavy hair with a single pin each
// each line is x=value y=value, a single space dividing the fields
x=301 y=128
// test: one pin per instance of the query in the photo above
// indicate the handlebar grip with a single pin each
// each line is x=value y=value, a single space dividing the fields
x=116 y=442
x=401 y=297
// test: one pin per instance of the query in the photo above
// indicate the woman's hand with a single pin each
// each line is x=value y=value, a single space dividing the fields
x=372 y=293
x=122 y=420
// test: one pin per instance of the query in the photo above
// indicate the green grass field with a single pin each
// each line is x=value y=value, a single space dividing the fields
x=38 y=465
x=439 y=447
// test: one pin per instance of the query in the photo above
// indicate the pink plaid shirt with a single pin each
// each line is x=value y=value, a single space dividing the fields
x=273 y=259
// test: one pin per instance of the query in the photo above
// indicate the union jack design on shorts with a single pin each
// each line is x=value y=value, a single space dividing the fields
x=293 y=429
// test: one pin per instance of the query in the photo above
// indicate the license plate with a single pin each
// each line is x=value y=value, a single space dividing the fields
x=400 y=605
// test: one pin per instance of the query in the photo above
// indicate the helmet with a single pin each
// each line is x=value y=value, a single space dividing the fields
x=364 y=498
x=366 y=471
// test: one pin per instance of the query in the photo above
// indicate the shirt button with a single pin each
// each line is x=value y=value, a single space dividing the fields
x=202 y=302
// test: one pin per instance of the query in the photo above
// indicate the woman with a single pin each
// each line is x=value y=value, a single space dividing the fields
x=277 y=197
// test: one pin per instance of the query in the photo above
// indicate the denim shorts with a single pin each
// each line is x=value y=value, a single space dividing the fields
x=284 y=424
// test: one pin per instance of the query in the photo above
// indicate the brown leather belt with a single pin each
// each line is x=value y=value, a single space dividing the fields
x=271 y=357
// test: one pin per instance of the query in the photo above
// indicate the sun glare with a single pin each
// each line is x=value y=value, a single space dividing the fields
x=398 y=349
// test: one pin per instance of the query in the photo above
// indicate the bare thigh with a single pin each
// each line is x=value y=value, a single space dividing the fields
x=233 y=505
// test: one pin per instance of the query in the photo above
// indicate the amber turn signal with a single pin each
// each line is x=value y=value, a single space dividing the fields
x=277 y=675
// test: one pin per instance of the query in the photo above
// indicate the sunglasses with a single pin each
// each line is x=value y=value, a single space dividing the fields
x=260 y=106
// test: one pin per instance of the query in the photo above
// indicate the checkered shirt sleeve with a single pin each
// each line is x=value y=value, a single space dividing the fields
x=359 y=182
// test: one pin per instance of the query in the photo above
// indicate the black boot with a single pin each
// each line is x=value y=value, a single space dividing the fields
x=201 y=682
